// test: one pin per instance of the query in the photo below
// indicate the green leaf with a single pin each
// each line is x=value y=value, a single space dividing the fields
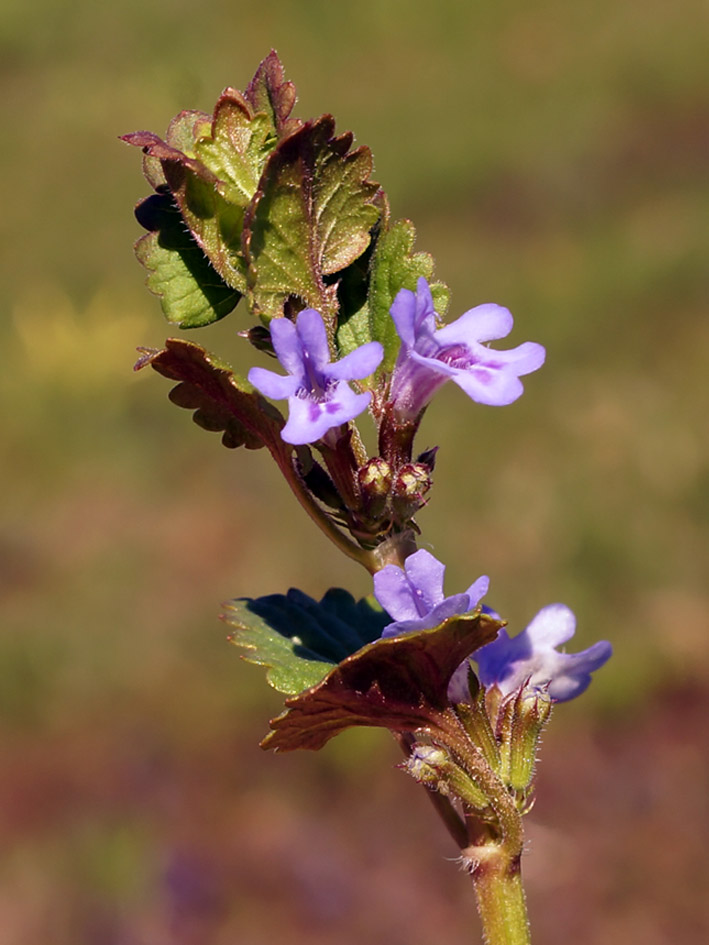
x=191 y=292
x=395 y=266
x=398 y=683
x=222 y=401
x=298 y=639
x=311 y=217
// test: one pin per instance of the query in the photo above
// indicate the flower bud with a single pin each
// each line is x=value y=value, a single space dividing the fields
x=375 y=484
x=412 y=482
x=432 y=766
x=531 y=715
x=260 y=338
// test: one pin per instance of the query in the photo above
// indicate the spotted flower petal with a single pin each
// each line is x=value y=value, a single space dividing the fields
x=318 y=393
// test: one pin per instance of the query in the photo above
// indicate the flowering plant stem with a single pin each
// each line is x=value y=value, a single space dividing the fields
x=323 y=521
x=256 y=204
x=493 y=855
x=500 y=896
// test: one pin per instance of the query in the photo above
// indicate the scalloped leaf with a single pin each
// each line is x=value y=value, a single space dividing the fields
x=212 y=199
x=399 y=683
x=298 y=639
x=311 y=218
x=395 y=266
x=191 y=292
x=222 y=401
x=213 y=165
x=269 y=93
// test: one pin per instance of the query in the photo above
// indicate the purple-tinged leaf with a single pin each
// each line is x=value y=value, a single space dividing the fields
x=270 y=93
x=213 y=166
x=222 y=401
x=399 y=683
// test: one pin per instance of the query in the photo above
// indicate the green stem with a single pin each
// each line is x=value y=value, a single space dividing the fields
x=500 y=896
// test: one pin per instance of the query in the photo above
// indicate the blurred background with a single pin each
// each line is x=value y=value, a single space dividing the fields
x=553 y=158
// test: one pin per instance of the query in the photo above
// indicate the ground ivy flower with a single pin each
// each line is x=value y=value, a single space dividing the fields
x=429 y=357
x=531 y=658
x=413 y=595
x=319 y=396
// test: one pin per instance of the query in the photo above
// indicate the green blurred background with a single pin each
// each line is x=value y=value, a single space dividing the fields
x=553 y=157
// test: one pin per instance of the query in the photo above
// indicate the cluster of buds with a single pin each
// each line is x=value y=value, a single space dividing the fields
x=392 y=498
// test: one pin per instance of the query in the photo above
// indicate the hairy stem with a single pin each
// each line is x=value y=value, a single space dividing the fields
x=499 y=893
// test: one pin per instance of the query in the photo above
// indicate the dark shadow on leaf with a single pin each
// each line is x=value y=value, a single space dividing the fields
x=160 y=216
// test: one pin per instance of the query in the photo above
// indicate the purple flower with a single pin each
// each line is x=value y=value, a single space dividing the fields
x=319 y=396
x=531 y=659
x=429 y=356
x=413 y=595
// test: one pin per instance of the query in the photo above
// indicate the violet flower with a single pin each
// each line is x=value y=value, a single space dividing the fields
x=430 y=356
x=531 y=660
x=413 y=595
x=319 y=396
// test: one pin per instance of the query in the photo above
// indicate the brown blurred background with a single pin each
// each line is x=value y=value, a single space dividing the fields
x=554 y=159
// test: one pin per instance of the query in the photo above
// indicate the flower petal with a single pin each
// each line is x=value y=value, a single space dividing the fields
x=531 y=660
x=413 y=313
x=482 y=323
x=425 y=573
x=477 y=590
x=525 y=358
x=287 y=346
x=489 y=386
x=273 y=385
x=414 y=596
x=309 y=419
x=453 y=606
x=394 y=592
x=552 y=626
x=358 y=364
x=574 y=673
x=313 y=337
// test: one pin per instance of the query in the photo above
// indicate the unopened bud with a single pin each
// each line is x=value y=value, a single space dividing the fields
x=433 y=767
x=531 y=713
x=413 y=481
x=425 y=763
x=260 y=338
x=375 y=484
